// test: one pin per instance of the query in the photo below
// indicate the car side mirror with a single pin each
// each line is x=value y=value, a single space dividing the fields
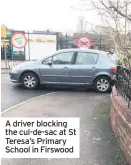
x=49 y=63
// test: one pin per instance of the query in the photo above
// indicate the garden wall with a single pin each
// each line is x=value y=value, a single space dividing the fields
x=120 y=117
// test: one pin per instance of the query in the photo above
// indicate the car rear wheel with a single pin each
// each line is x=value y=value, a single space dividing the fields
x=102 y=84
x=30 y=80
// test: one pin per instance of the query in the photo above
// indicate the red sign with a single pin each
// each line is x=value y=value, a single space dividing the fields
x=84 y=42
x=19 y=40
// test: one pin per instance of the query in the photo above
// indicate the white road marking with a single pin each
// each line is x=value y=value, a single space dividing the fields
x=17 y=105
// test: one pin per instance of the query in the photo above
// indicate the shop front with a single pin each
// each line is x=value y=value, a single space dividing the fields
x=12 y=53
x=17 y=52
x=7 y=43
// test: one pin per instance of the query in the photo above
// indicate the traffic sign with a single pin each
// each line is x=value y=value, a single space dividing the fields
x=84 y=42
x=19 y=40
x=3 y=31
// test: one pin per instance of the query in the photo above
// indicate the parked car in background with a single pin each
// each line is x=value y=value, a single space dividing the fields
x=70 y=67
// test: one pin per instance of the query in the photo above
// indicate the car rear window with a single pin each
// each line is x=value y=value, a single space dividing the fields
x=109 y=57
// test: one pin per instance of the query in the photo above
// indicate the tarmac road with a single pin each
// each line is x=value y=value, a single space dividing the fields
x=97 y=143
x=12 y=94
x=98 y=146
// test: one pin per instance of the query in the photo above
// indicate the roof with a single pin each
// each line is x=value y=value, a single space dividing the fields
x=80 y=49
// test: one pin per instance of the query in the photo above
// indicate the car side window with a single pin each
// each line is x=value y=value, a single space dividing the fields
x=86 y=58
x=62 y=58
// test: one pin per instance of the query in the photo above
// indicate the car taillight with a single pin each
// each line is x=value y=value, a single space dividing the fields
x=113 y=70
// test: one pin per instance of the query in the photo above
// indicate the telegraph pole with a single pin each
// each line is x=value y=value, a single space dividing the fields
x=66 y=40
x=125 y=19
x=29 y=44
x=117 y=16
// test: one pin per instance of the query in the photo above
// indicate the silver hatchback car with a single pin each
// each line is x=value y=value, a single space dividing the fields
x=76 y=67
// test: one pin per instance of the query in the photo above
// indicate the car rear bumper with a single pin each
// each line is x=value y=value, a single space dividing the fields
x=14 y=77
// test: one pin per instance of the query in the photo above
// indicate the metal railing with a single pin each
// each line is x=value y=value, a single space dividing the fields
x=123 y=83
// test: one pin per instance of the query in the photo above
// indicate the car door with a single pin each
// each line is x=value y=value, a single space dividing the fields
x=84 y=68
x=57 y=72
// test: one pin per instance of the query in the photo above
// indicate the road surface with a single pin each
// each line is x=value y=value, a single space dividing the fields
x=98 y=146
x=12 y=94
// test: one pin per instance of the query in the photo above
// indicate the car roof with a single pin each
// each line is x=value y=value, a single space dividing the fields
x=101 y=53
x=81 y=49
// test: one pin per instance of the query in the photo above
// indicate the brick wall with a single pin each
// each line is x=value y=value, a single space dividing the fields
x=121 y=123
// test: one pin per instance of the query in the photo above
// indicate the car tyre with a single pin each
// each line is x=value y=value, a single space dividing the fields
x=102 y=84
x=30 y=80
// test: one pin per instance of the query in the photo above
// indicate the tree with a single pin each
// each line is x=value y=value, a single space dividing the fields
x=116 y=6
x=116 y=24
x=116 y=18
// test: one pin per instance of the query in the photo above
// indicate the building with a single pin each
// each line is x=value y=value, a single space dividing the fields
x=13 y=53
x=62 y=41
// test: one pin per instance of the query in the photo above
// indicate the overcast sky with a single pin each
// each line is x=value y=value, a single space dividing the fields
x=44 y=14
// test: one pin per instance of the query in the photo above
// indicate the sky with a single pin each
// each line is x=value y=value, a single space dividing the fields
x=57 y=15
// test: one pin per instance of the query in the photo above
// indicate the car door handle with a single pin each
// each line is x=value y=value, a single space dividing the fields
x=65 y=68
x=94 y=68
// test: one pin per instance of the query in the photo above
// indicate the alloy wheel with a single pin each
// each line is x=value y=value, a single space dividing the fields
x=29 y=81
x=103 y=85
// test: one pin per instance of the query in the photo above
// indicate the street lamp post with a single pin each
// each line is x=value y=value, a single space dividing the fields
x=66 y=39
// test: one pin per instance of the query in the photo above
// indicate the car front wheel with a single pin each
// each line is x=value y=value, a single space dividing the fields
x=102 y=84
x=30 y=80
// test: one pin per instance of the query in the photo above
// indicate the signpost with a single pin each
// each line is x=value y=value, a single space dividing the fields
x=19 y=42
x=84 y=42
x=3 y=35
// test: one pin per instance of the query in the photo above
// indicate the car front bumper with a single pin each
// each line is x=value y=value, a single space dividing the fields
x=14 y=77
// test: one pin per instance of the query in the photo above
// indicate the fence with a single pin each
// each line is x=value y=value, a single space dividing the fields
x=123 y=83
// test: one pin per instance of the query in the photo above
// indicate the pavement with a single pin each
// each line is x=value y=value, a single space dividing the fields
x=6 y=66
x=97 y=142
x=5 y=71
x=9 y=63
